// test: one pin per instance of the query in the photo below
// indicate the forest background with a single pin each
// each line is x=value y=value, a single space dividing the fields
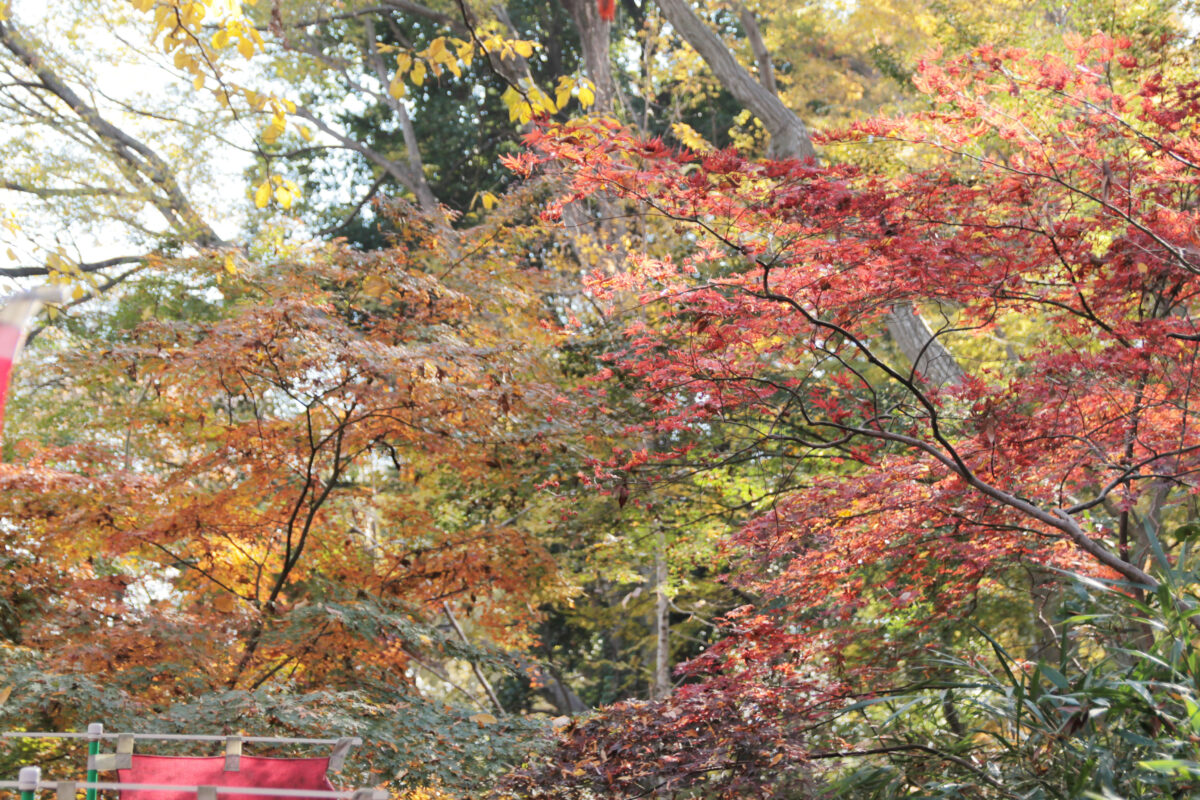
x=425 y=380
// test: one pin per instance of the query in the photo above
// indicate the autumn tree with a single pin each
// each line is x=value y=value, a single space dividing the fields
x=287 y=494
x=1075 y=211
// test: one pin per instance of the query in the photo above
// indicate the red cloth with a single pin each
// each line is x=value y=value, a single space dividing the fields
x=256 y=771
x=10 y=342
x=15 y=313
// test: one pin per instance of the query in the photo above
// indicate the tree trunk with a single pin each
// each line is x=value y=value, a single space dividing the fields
x=928 y=355
x=789 y=135
x=790 y=138
x=662 y=621
x=593 y=37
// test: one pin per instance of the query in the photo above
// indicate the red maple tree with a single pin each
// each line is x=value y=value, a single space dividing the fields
x=1048 y=225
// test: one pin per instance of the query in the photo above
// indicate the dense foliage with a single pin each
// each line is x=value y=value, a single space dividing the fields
x=517 y=390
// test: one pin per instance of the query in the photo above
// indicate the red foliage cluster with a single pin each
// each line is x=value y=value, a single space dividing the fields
x=1054 y=213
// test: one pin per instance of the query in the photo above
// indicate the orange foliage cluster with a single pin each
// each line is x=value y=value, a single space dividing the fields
x=278 y=479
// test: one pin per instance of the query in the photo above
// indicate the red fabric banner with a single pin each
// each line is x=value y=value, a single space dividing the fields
x=15 y=313
x=10 y=340
x=254 y=771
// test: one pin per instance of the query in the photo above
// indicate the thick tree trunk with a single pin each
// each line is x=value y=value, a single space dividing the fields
x=789 y=135
x=553 y=689
x=593 y=36
x=929 y=356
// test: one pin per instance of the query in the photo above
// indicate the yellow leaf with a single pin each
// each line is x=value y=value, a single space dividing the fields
x=403 y=62
x=220 y=40
x=451 y=63
x=418 y=73
x=230 y=264
x=223 y=603
x=512 y=99
x=198 y=82
x=305 y=133
x=5 y=693
x=466 y=51
x=246 y=47
x=482 y=718
x=686 y=134
x=776 y=759
x=263 y=195
x=193 y=13
x=563 y=93
x=436 y=48
x=489 y=200
x=77 y=293
x=586 y=95
x=3 y=11
x=541 y=101
x=396 y=88
x=524 y=49
x=284 y=195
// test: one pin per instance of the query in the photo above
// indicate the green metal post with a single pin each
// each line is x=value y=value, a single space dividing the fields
x=95 y=730
x=27 y=782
